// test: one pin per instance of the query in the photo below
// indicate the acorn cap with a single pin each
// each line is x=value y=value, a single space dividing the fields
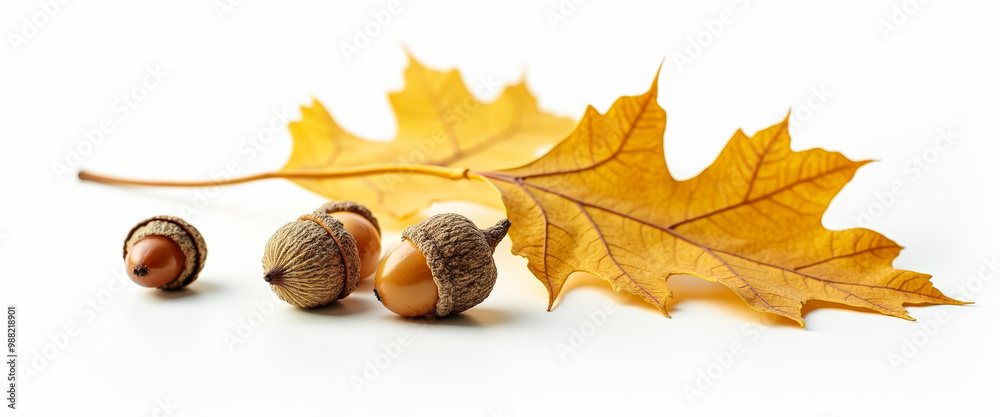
x=312 y=261
x=184 y=235
x=460 y=257
x=335 y=206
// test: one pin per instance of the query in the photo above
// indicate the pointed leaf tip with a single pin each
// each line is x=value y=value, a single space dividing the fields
x=656 y=78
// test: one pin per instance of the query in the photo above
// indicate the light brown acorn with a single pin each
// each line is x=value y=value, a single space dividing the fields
x=164 y=252
x=312 y=261
x=444 y=266
x=363 y=226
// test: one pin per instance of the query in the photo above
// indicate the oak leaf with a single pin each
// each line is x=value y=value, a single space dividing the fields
x=603 y=201
x=440 y=123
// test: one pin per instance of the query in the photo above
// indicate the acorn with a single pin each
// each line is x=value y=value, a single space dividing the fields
x=312 y=261
x=164 y=252
x=363 y=226
x=444 y=266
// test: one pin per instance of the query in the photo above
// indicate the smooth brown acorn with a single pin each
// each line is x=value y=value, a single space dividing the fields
x=164 y=252
x=444 y=266
x=363 y=226
x=312 y=261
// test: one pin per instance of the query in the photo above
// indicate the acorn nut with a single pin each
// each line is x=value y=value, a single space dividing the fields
x=312 y=261
x=363 y=226
x=444 y=266
x=164 y=252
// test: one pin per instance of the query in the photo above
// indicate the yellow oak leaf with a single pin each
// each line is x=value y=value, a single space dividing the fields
x=440 y=123
x=603 y=201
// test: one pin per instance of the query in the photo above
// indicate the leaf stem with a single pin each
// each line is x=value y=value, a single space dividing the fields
x=360 y=171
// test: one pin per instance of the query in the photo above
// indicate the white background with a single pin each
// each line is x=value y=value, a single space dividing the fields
x=133 y=351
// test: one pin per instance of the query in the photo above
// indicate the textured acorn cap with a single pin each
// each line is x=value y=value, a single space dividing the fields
x=184 y=235
x=460 y=257
x=312 y=261
x=353 y=207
